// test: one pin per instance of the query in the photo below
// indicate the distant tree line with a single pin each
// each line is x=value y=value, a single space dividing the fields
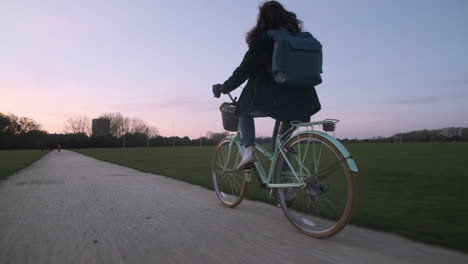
x=426 y=135
x=19 y=132
x=25 y=133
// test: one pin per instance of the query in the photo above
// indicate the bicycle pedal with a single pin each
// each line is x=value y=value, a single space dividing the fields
x=271 y=195
x=247 y=175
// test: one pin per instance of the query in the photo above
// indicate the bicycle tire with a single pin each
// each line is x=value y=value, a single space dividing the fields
x=229 y=184
x=309 y=222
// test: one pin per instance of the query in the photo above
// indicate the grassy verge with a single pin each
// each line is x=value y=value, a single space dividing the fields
x=417 y=190
x=12 y=161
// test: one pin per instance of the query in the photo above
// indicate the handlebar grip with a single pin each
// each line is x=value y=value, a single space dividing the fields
x=217 y=90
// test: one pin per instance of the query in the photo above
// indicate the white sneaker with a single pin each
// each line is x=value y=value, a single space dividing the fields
x=248 y=159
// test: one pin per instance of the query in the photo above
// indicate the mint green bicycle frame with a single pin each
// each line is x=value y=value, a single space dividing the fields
x=280 y=150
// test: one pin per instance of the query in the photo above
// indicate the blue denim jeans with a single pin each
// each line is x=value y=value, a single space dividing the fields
x=247 y=128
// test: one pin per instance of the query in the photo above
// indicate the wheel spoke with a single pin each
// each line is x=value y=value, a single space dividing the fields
x=221 y=161
x=317 y=162
x=236 y=186
x=224 y=178
x=236 y=161
x=234 y=179
x=315 y=159
x=327 y=171
x=301 y=161
x=330 y=205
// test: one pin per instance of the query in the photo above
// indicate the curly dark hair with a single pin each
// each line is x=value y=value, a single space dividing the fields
x=272 y=15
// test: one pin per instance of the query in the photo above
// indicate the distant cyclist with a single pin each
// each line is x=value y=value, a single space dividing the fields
x=262 y=97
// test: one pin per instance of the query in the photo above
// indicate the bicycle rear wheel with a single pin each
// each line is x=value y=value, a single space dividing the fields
x=324 y=205
x=228 y=183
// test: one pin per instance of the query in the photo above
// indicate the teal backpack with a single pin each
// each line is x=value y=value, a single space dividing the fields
x=297 y=59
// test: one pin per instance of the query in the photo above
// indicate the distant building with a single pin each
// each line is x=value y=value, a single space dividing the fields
x=101 y=127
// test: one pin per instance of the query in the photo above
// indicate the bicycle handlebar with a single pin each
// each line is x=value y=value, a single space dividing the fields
x=217 y=92
x=233 y=99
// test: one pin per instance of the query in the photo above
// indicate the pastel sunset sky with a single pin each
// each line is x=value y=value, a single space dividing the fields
x=389 y=66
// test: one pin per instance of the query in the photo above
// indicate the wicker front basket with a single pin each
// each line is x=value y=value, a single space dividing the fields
x=230 y=120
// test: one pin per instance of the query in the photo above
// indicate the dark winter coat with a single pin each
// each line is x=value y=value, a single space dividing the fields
x=262 y=94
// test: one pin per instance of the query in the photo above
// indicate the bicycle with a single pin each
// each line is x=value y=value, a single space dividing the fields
x=312 y=172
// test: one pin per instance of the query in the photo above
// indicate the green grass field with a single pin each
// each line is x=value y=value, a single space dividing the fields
x=418 y=190
x=12 y=161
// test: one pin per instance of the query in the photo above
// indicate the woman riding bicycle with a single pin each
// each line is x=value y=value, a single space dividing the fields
x=262 y=97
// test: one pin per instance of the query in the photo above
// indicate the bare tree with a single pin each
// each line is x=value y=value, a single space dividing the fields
x=138 y=126
x=27 y=124
x=126 y=126
x=153 y=132
x=78 y=124
x=451 y=131
x=120 y=125
x=13 y=127
x=12 y=124
x=5 y=123
x=117 y=126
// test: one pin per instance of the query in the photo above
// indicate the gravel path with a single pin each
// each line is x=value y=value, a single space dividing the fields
x=69 y=208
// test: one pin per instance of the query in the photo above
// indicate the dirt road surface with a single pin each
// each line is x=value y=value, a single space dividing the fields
x=69 y=208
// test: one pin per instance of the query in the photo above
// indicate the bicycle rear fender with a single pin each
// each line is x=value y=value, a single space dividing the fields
x=349 y=159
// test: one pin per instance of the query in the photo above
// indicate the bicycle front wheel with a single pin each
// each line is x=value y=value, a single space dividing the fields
x=323 y=205
x=229 y=183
